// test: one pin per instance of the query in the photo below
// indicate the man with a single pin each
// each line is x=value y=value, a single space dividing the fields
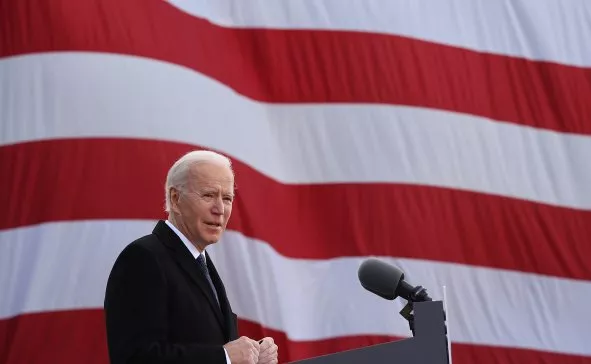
x=164 y=301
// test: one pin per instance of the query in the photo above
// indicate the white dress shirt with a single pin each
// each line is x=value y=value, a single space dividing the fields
x=195 y=252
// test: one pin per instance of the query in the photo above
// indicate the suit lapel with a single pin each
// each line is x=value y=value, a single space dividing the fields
x=185 y=260
x=229 y=326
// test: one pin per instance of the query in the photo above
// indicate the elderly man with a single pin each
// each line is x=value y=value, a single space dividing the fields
x=165 y=302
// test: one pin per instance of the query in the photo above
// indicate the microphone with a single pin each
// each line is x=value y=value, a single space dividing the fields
x=387 y=281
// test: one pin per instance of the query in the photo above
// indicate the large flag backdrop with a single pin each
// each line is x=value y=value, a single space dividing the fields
x=448 y=137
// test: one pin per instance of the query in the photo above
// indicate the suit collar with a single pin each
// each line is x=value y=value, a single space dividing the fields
x=185 y=259
x=192 y=249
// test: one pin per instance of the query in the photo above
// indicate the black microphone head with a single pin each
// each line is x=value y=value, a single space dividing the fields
x=380 y=278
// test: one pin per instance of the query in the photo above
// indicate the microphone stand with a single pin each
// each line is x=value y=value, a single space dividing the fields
x=418 y=294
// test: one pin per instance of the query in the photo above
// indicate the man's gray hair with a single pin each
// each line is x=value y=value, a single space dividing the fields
x=178 y=174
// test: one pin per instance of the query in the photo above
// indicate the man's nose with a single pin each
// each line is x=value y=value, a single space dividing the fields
x=218 y=206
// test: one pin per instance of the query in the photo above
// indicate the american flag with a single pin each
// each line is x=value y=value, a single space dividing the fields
x=449 y=138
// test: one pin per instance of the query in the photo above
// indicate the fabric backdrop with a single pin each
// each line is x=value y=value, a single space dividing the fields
x=447 y=137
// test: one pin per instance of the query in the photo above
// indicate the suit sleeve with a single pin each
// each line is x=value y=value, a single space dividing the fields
x=136 y=319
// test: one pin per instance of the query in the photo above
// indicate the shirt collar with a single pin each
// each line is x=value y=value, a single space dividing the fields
x=186 y=241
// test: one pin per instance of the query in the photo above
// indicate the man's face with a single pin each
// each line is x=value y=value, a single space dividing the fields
x=204 y=205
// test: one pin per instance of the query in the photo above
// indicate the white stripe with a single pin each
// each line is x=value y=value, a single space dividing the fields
x=550 y=30
x=65 y=266
x=139 y=98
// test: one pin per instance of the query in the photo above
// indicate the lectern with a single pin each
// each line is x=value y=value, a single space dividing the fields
x=428 y=345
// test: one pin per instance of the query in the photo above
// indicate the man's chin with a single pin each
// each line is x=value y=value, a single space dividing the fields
x=212 y=239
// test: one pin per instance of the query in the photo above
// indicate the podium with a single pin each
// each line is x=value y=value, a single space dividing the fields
x=428 y=345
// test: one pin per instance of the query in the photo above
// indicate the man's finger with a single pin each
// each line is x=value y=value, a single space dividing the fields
x=269 y=361
x=268 y=354
x=267 y=341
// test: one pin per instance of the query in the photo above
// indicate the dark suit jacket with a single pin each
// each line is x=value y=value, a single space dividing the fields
x=159 y=307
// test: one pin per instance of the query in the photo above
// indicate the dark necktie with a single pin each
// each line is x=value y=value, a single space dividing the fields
x=203 y=267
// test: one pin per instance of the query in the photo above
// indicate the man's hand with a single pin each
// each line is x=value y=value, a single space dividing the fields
x=243 y=351
x=268 y=352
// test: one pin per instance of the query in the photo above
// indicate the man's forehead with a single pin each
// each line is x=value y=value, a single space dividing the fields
x=222 y=183
x=218 y=177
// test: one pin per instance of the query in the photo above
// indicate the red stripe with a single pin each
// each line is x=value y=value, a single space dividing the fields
x=70 y=337
x=65 y=337
x=122 y=179
x=309 y=65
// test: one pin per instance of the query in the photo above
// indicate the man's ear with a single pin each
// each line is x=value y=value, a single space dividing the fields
x=175 y=196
